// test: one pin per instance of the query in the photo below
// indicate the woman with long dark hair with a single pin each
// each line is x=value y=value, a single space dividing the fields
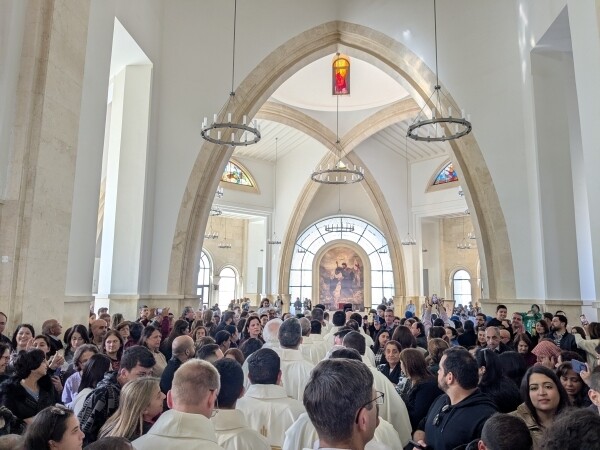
x=574 y=385
x=523 y=345
x=500 y=389
x=93 y=372
x=252 y=329
x=180 y=328
x=54 y=428
x=150 y=339
x=424 y=387
x=112 y=346
x=381 y=339
x=76 y=337
x=544 y=398
x=391 y=367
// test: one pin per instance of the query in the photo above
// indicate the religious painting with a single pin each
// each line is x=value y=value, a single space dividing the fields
x=341 y=278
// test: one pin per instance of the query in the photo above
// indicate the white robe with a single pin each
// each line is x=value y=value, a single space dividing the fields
x=233 y=432
x=183 y=431
x=295 y=372
x=319 y=346
x=269 y=411
x=330 y=338
x=309 y=350
x=303 y=434
x=393 y=409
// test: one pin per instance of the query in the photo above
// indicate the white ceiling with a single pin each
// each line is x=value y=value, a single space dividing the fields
x=309 y=90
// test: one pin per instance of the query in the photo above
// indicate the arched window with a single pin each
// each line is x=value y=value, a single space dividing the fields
x=446 y=175
x=368 y=237
x=341 y=75
x=204 y=273
x=461 y=287
x=236 y=174
x=227 y=287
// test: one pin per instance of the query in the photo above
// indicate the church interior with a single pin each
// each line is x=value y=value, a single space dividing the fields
x=117 y=189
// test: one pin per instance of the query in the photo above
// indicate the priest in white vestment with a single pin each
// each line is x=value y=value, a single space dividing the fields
x=271 y=337
x=339 y=319
x=266 y=405
x=319 y=345
x=295 y=368
x=186 y=425
x=342 y=404
x=231 y=428
x=393 y=410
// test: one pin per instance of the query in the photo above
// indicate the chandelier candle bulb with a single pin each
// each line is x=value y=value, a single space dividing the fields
x=245 y=118
x=228 y=117
x=214 y=118
x=449 y=111
x=219 y=135
x=232 y=137
x=462 y=113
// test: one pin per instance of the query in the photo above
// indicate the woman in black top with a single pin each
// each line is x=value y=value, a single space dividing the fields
x=391 y=368
x=500 y=389
x=30 y=389
x=424 y=388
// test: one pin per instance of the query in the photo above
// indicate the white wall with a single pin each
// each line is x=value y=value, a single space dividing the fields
x=186 y=40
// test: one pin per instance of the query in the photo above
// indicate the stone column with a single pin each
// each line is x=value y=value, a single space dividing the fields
x=36 y=216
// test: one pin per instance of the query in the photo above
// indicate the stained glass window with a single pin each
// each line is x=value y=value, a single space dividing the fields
x=235 y=174
x=341 y=75
x=446 y=175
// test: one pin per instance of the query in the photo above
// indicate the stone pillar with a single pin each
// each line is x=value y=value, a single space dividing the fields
x=36 y=216
x=122 y=230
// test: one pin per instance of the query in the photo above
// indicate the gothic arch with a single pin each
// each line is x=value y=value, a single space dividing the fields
x=403 y=65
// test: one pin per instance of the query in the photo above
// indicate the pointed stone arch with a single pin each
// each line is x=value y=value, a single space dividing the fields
x=404 y=66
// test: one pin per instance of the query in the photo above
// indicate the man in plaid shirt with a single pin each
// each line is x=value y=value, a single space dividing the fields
x=103 y=401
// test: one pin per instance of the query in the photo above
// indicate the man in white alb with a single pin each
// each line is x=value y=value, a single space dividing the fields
x=295 y=368
x=266 y=405
x=230 y=424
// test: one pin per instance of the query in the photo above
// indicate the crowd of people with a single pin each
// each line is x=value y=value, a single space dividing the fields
x=254 y=378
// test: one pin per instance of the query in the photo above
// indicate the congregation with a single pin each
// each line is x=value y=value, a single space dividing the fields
x=260 y=379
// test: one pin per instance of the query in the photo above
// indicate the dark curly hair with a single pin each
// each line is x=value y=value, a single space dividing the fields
x=27 y=362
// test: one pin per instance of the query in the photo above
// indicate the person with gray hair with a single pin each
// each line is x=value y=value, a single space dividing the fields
x=342 y=403
x=294 y=365
x=271 y=334
x=308 y=348
x=186 y=425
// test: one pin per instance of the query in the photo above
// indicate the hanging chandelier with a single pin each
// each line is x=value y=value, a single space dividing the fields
x=226 y=129
x=341 y=227
x=464 y=244
x=275 y=240
x=211 y=235
x=215 y=211
x=224 y=244
x=439 y=127
x=340 y=172
x=408 y=239
x=220 y=192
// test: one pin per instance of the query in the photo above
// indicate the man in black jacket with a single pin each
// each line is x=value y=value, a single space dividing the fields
x=457 y=417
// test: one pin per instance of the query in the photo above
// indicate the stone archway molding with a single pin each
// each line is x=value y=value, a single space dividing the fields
x=398 y=61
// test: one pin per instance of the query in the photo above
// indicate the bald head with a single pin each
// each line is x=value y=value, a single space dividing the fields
x=195 y=388
x=271 y=330
x=99 y=328
x=183 y=347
